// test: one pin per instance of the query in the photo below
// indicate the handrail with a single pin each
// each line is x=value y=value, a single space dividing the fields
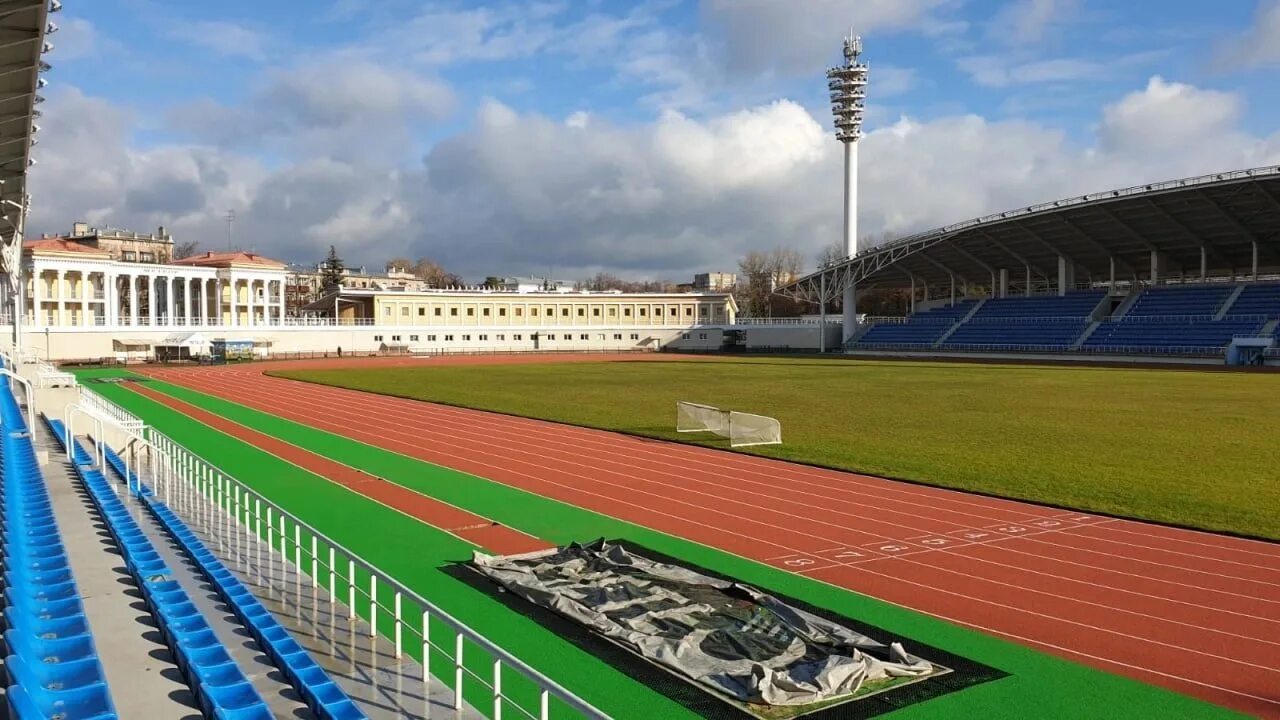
x=189 y=465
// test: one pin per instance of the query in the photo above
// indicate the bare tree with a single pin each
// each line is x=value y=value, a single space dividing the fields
x=185 y=249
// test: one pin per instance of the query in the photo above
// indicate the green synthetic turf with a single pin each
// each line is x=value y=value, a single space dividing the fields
x=1194 y=448
x=1039 y=686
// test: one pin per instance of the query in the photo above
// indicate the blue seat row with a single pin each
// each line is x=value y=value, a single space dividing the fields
x=216 y=680
x=51 y=663
x=313 y=684
x=1055 y=335
x=1170 y=333
x=1200 y=300
x=1079 y=304
x=1257 y=299
x=923 y=328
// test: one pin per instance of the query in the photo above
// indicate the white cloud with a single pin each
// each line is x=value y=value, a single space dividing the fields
x=224 y=38
x=1259 y=46
x=1001 y=71
x=518 y=192
x=781 y=35
x=1024 y=22
x=78 y=39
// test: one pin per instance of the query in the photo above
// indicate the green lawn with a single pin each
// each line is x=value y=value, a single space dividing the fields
x=414 y=553
x=1195 y=448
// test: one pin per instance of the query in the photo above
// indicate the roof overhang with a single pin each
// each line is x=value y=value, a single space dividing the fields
x=23 y=25
x=1215 y=222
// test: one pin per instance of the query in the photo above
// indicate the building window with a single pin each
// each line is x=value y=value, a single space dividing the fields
x=386 y=311
x=551 y=337
x=583 y=336
x=673 y=312
x=484 y=338
x=485 y=312
x=533 y=312
x=431 y=338
x=422 y=312
x=702 y=336
x=129 y=256
x=448 y=338
x=688 y=312
x=595 y=312
x=395 y=338
x=684 y=336
x=466 y=338
x=702 y=310
x=564 y=312
x=582 y=312
x=502 y=312
x=377 y=338
x=635 y=336
x=471 y=312
x=613 y=312
x=617 y=336
x=438 y=312
x=517 y=337
x=413 y=338
x=502 y=338
x=147 y=257
x=642 y=312
x=453 y=312
x=520 y=312
x=626 y=312
x=404 y=311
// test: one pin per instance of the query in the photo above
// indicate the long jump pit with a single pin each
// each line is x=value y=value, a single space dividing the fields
x=721 y=648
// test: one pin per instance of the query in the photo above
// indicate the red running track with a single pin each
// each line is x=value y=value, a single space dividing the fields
x=1194 y=612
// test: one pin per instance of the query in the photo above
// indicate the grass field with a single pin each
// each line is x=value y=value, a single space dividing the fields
x=415 y=553
x=1194 y=448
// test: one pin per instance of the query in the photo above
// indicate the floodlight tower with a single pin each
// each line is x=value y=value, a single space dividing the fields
x=848 y=85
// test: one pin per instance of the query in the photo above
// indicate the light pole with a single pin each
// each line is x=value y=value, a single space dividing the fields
x=48 y=356
x=848 y=85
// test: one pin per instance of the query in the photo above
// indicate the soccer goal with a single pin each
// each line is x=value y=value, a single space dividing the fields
x=741 y=428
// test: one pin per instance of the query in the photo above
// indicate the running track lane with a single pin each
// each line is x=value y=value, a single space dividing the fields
x=468 y=526
x=1194 y=612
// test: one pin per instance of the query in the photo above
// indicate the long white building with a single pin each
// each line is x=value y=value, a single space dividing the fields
x=85 y=301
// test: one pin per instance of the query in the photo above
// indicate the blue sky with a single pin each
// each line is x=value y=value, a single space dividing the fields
x=649 y=138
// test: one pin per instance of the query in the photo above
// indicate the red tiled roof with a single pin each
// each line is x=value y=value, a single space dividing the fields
x=228 y=259
x=61 y=245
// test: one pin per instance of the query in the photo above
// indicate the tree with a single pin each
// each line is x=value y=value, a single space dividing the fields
x=332 y=269
x=401 y=263
x=759 y=274
x=185 y=249
x=493 y=281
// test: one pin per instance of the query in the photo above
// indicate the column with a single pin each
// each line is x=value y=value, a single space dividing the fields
x=151 y=299
x=283 y=300
x=169 y=283
x=86 y=292
x=1004 y=283
x=235 y=315
x=1112 y=282
x=1255 y=260
x=202 y=301
x=61 y=288
x=1066 y=275
x=36 y=296
x=248 y=287
x=1026 y=291
x=1155 y=267
x=1204 y=264
x=133 y=300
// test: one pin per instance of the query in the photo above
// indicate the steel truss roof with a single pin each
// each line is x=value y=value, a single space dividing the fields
x=1225 y=215
x=23 y=25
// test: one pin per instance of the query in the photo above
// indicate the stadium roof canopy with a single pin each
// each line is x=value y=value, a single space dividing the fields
x=1213 y=225
x=23 y=24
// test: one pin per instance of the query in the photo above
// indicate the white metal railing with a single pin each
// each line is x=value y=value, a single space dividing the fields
x=242 y=520
x=1025 y=319
x=94 y=402
x=833 y=320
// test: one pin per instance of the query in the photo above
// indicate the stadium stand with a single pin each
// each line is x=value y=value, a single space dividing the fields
x=1262 y=299
x=51 y=664
x=1194 y=301
x=215 y=678
x=922 y=329
x=1047 y=322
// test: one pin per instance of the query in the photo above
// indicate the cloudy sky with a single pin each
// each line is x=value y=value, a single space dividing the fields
x=651 y=138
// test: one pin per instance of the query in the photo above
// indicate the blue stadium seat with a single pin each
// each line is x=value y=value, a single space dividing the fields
x=922 y=329
x=1181 y=300
x=1044 y=322
x=1261 y=299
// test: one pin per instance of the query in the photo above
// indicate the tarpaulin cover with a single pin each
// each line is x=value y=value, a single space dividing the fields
x=733 y=638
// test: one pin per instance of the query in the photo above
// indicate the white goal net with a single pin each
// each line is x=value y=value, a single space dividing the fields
x=741 y=428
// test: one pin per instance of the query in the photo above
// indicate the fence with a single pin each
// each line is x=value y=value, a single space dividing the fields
x=244 y=523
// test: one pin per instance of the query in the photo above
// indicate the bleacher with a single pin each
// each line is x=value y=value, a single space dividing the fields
x=1261 y=299
x=51 y=665
x=922 y=329
x=1045 y=323
x=1198 y=301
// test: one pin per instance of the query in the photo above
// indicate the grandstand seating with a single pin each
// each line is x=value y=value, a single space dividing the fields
x=1045 y=322
x=1169 y=335
x=51 y=663
x=923 y=328
x=1180 y=300
x=215 y=678
x=1262 y=299
x=312 y=683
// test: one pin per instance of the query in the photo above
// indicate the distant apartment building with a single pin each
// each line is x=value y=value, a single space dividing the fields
x=714 y=282
x=122 y=245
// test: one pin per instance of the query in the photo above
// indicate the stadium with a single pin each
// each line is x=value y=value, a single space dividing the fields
x=530 y=502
